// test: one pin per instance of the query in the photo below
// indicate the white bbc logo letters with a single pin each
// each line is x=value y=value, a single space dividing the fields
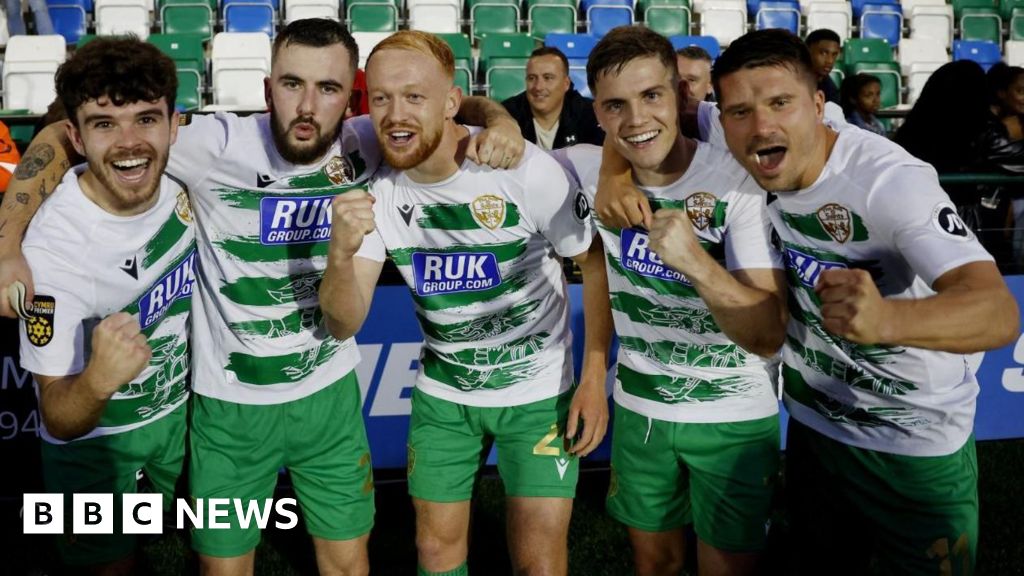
x=142 y=513
x=43 y=514
x=92 y=514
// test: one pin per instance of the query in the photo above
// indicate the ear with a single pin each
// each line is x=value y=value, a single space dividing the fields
x=175 y=122
x=75 y=136
x=453 y=100
x=819 y=104
x=266 y=93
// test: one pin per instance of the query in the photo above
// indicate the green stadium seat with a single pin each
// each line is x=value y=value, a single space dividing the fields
x=463 y=52
x=1006 y=8
x=503 y=61
x=372 y=16
x=187 y=52
x=959 y=5
x=666 y=17
x=550 y=16
x=889 y=75
x=493 y=17
x=866 y=50
x=187 y=17
x=1017 y=24
x=837 y=75
x=981 y=24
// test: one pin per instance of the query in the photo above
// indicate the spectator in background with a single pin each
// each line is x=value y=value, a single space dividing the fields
x=9 y=157
x=952 y=127
x=16 y=21
x=825 y=46
x=694 y=64
x=551 y=113
x=1006 y=87
x=860 y=97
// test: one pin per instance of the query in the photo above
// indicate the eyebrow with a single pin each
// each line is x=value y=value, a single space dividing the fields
x=157 y=110
x=295 y=78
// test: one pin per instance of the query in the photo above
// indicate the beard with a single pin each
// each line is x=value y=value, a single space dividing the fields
x=428 y=143
x=123 y=198
x=305 y=152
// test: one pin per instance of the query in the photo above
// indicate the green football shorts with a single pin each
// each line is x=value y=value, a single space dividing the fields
x=110 y=464
x=238 y=449
x=852 y=508
x=449 y=442
x=719 y=476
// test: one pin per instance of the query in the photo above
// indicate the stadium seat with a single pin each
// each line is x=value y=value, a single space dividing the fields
x=603 y=15
x=934 y=22
x=372 y=16
x=114 y=17
x=981 y=24
x=914 y=51
x=240 y=61
x=493 y=17
x=463 y=52
x=866 y=50
x=837 y=75
x=1017 y=24
x=834 y=15
x=302 y=9
x=858 y=6
x=708 y=43
x=187 y=17
x=29 y=65
x=666 y=17
x=545 y=17
x=778 y=14
x=889 y=75
x=982 y=52
x=503 y=61
x=69 y=19
x=918 y=77
x=249 y=16
x=1014 y=50
x=366 y=42
x=576 y=48
x=435 y=16
x=187 y=52
x=883 y=21
x=725 y=20
x=959 y=5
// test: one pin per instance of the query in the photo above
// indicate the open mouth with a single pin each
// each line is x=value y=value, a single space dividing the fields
x=131 y=169
x=400 y=137
x=642 y=138
x=768 y=159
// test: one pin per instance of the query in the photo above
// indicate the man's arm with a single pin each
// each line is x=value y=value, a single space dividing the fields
x=590 y=402
x=618 y=202
x=501 y=145
x=72 y=405
x=349 y=281
x=747 y=304
x=40 y=171
x=972 y=312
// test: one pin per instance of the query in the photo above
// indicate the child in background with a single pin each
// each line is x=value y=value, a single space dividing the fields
x=860 y=96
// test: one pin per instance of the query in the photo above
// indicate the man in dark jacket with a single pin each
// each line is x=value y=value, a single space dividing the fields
x=551 y=113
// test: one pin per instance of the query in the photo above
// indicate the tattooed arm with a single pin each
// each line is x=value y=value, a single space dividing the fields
x=41 y=168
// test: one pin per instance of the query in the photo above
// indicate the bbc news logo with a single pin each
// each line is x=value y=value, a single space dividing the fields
x=144 y=513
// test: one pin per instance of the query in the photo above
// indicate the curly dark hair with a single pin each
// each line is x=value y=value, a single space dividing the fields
x=123 y=68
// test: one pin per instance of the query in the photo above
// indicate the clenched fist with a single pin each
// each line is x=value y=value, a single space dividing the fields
x=673 y=239
x=852 y=307
x=119 y=353
x=351 y=219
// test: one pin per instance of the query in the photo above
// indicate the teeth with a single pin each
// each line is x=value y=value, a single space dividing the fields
x=131 y=163
x=641 y=138
x=401 y=134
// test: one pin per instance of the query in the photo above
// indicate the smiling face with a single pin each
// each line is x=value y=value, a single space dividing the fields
x=547 y=81
x=307 y=93
x=126 y=147
x=637 y=108
x=772 y=122
x=410 y=102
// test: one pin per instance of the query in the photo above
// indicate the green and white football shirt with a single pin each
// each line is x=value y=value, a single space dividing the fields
x=88 y=264
x=877 y=208
x=674 y=361
x=480 y=253
x=263 y=231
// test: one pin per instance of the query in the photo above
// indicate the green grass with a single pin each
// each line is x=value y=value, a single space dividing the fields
x=598 y=545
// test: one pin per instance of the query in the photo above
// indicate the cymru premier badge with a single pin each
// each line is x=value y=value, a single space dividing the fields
x=489 y=211
x=700 y=207
x=835 y=219
x=39 y=328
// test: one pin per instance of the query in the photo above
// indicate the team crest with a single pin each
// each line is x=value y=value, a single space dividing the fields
x=339 y=171
x=835 y=219
x=183 y=208
x=39 y=327
x=489 y=211
x=700 y=207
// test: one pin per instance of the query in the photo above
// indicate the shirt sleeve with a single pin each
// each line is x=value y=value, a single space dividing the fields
x=749 y=231
x=909 y=209
x=201 y=141
x=557 y=206
x=53 y=344
x=372 y=247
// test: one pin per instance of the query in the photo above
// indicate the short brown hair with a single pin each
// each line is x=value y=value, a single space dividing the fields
x=551 y=51
x=422 y=42
x=122 y=68
x=765 y=48
x=623 y=45
x=318 y=33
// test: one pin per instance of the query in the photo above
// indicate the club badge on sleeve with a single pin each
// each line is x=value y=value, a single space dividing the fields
x=40 y=326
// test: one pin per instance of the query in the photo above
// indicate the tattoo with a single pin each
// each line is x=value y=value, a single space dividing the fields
x=22 y=198
x=35 y=159
x=43 y=194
